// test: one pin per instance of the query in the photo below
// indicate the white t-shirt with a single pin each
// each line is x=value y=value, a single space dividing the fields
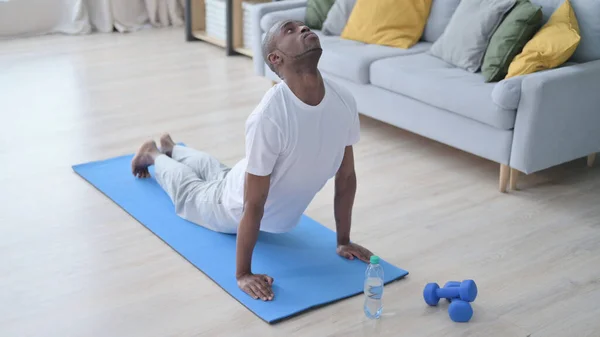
x=300 y=145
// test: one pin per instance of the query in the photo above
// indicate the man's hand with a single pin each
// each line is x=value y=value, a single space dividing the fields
x=257 y=286
x=352 y=250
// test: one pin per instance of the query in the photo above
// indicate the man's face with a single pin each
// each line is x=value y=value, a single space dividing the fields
x=294 y=40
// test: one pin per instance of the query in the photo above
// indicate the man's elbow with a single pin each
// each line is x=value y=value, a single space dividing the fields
x=344 y=179
x=255 y=208
x=346 y=174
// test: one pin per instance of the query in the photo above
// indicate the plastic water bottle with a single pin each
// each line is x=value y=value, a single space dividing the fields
x=373 y=289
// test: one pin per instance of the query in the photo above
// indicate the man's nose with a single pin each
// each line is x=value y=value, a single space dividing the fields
x=304 y=29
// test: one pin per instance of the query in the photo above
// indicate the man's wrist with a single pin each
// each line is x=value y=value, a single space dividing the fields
x=343 y=241
x=239 y=275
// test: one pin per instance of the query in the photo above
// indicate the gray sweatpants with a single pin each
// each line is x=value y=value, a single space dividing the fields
x=194 y=181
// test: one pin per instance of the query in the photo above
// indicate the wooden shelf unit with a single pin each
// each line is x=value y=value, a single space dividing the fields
x=195 y=23
x=243 y=51
x=201 y=35
x=195 y=16
x=237 y=25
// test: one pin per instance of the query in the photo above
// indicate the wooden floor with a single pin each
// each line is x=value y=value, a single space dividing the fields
x=74 y=264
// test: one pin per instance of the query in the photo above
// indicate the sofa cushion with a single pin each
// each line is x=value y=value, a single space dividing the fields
x=430 y=80
x=351 y=59
x=587 y=13
x=338 y=17
x=552 y=45
x=468 y=33
x=508 y=41
x=269 y=19
x=439 y=16
x=507 y=93
x=316 y=13
x=394 y=23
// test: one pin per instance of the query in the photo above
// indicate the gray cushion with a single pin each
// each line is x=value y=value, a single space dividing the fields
x=338 y=17
x=430 y=80
x=507 y=93
x=468 y=34
x=439 y=17
x=351 y=59
x=269 y=19
x=588 y=17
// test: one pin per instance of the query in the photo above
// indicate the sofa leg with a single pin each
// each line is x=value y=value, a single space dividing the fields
x=591 y=159
x=504 y=175
x=514 y=176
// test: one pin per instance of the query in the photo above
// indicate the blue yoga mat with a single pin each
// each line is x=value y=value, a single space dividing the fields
x=307 y=271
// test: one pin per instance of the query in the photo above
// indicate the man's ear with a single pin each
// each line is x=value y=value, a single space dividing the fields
x=275 y=59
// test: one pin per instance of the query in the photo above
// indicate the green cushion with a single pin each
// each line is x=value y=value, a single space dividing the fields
x=519 y=26
x=316 y=13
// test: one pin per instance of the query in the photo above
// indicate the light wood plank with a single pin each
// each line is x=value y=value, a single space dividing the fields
x=201 y=35
x=591 y=159
x=75 y=264
x=504 y=175
x=198 y=10
x=238 y=25
x=514 y=178
x=244 y=51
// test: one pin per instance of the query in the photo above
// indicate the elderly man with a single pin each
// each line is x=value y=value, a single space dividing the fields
x=299 y=136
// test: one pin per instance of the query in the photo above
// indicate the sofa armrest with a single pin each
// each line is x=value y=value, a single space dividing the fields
x=558 y=118
x=279 y=10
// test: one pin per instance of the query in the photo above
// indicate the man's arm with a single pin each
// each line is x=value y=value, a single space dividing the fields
x=255 y=196
x=264 y=143
x=345 y=191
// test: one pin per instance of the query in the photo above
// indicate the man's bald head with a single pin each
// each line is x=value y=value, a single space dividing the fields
x=290 y=43
x=268 y=44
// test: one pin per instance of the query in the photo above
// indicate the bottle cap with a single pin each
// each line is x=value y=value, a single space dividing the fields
x=374 y=259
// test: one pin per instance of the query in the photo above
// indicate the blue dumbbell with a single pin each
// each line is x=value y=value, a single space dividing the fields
x=451 y=284
x=460 y=311
x=466 y=291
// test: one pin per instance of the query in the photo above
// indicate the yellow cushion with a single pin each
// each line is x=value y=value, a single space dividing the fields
x=395 y=23
x=551 y=46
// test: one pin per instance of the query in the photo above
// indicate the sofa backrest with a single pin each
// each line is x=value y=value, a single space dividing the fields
x=588 y=17
x=439 y=17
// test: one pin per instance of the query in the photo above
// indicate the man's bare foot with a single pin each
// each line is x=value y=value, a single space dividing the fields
x=144 y=158
x=166 y=144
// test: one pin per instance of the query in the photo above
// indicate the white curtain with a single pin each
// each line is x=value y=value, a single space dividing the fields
x=164 y=13
x=123 y=15
x=36 y=17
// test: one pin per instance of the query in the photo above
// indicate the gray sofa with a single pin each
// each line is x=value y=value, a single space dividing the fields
x=526 y=123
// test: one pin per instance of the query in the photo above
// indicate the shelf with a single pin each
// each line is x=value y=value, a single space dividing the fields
x=244 y=51
x=201 y=35
x=196 y=24
x=237 y=24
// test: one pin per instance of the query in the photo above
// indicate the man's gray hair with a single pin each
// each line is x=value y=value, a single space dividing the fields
x=268 y=45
